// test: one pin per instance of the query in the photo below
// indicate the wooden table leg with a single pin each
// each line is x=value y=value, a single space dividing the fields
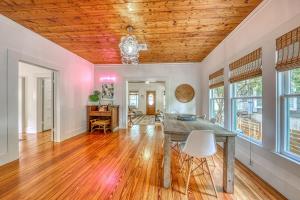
x=228 y=165
x=167 y=161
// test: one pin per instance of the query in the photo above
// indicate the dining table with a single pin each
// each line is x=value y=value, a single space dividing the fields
x=178 y=130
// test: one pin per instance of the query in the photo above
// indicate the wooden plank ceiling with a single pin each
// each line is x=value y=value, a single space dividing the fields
x=174 y=30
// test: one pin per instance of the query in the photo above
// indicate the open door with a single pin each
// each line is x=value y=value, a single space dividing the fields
x=47 y=102
x=150 y=102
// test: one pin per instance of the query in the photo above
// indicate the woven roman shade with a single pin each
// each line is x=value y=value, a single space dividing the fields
x=288 y=50
x=216 y=79
x=247 y=67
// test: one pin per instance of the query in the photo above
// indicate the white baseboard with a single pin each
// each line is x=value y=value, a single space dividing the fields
x=72 y=133
x=282 y=179
x=269 y=169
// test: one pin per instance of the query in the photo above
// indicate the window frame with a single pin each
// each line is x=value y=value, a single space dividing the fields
x=211 y=99
x=233 y=117
x=284 y=94
x=137 y=99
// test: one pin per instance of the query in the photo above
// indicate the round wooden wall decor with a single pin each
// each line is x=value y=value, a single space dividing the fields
x=184 y=93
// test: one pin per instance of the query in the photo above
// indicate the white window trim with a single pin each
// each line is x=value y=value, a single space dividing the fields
x=233 y=98
x=283 y=87
x=249 y=139
x=137 y=99
x=210 y=105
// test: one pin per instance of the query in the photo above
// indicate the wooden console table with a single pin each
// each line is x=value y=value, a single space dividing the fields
x=112 y=114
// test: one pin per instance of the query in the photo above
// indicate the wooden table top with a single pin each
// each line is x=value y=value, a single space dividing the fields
x=174 y=126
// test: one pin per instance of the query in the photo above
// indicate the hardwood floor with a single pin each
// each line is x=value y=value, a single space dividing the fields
x=121 y=165
x=29 y=142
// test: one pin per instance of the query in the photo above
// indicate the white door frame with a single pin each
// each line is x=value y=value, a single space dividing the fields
x=143 y=78
x=40 y=100
x=13 y=59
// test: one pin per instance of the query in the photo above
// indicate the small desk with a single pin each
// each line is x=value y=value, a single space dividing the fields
x=112 y=114
x=179 y=130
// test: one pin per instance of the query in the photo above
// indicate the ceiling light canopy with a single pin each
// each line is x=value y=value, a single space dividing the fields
x=130 y=48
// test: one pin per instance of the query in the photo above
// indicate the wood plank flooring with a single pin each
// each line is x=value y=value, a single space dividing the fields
x=122 y=165
x=29 y=142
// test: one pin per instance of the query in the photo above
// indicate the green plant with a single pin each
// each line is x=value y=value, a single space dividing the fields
x=95 y=97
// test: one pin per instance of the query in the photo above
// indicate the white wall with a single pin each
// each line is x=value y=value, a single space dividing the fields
x=32 y=101
x=142 y=89
x=269 y=21
x=172 y=74
x=75 y=82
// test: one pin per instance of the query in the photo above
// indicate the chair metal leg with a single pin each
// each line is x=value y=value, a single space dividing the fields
x=190 y=164
x=213 y=159
x=209 y=173
x=181 y=161
x=175 y=147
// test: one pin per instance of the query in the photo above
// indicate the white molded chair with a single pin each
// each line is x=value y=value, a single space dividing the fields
x=200 y=144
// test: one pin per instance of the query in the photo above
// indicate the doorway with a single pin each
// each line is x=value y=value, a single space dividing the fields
x=150 y=102
x=145 y=100
x=36 y=106
x=47 y=104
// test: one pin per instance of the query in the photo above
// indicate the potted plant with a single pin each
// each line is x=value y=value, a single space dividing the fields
x=95 y=98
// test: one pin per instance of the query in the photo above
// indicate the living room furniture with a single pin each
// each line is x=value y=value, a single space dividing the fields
x=135 y=112
x=179 y=130
x=130 y=115
x=111 y=114
x=199 y=145
x=158 y=116
x=100 y=124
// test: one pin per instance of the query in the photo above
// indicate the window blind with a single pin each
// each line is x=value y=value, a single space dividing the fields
x=247 y=67
x=288 y=50
x=216 y=79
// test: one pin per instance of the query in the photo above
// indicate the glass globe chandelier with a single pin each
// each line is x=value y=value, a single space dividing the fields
x=130 y=48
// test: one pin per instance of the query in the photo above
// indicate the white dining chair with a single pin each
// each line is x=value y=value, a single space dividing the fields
x=200 y=145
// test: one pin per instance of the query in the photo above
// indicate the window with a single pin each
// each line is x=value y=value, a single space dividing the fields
x=151 y=99
x=290 y=113
x=246 y=103
x=216 y=96
x=288 y=66
x=134 y=99
x=216 y=104
x=247 y=108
